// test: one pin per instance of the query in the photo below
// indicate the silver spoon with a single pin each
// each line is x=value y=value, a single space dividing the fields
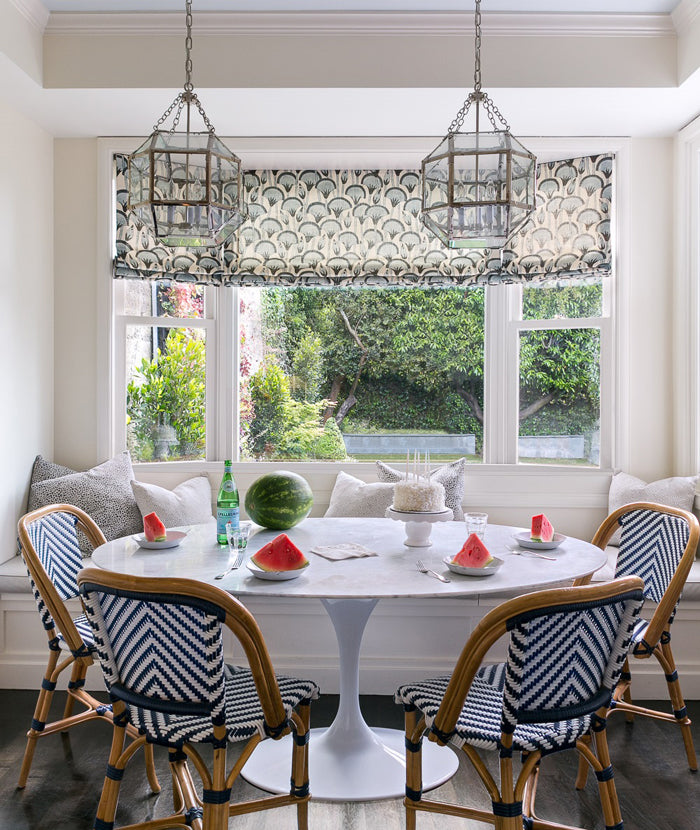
x=421 y=567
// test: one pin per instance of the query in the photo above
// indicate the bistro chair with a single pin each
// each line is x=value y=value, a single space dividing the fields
x=565 y=652
x=49 y=546
x=160 y=644
x=658 y=544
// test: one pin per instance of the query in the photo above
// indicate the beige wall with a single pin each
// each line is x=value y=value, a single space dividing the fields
x=75 y=406
x=649 y=417
x=26 y=313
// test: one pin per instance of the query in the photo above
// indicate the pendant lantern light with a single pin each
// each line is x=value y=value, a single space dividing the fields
x=186 y=187
x=478 y=188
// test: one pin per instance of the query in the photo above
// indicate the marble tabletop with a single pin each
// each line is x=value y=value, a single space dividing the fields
x=390 y=574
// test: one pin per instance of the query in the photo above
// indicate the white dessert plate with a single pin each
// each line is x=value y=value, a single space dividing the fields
x=275 y=576
x=524 y=540
x=487 y=570
x=172 y=540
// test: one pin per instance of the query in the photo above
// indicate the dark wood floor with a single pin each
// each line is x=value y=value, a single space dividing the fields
x=656 y=790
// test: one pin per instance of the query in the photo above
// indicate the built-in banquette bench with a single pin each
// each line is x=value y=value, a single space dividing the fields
x=401 y=635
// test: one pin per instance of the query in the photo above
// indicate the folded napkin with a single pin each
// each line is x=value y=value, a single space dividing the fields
x=343 y=550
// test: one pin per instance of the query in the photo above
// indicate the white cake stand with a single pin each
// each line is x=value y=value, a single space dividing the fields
x=419 y=525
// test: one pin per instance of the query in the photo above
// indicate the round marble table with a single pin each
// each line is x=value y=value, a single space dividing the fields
x=350 y=761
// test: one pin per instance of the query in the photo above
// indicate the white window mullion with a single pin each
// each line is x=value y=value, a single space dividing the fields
x=499 y=356
x=223 y=390
x=119 y=385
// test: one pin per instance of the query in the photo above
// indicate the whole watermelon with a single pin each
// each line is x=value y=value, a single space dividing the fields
x=279 y=500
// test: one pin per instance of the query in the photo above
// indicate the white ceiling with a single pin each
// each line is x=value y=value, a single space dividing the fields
x=522 y=6
x=88 y=112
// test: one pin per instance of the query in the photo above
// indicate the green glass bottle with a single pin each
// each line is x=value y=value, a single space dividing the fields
x=226 y=505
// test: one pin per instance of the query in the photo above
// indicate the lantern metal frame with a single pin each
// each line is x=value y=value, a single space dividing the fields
x=177 y=181
x=482 y=207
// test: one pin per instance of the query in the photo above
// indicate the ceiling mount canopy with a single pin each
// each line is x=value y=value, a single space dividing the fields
x=478 y=188
x=186 y=187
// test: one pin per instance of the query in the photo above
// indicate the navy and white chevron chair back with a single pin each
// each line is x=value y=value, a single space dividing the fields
x=651 y=547
x=563 y=662
x=55 y=541
x=158 y=649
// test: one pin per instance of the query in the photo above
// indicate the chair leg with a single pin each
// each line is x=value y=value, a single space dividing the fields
x=680 y=712
x=300 y=765
x=216 y=815
x=151 y=769
x=606 y=782
x=41 y=713
x=414 y=768
x=582 y=775
x=109 y=798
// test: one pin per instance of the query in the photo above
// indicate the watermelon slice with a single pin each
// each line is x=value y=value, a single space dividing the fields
x=153 y=528
x=474 y=554
x=542 y=530
x=281 y=554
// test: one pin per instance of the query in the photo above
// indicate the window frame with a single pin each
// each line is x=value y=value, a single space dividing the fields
x=502 y=323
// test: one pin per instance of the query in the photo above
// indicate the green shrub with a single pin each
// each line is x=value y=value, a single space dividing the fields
x=170 y=391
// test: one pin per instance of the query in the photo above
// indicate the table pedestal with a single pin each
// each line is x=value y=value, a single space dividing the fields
x=349 y=761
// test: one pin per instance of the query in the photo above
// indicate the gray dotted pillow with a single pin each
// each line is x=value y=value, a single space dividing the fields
x=104 y=493
x=43 y=470
x=451 y=476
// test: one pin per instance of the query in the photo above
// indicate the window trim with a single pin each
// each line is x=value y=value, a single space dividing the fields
x=377 y=152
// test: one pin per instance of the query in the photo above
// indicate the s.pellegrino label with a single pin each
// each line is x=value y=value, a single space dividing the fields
x=227 y=509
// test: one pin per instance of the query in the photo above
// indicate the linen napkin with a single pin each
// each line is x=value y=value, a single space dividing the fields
x=343 y=550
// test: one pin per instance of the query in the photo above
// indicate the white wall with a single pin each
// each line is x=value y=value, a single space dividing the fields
x=26 y=313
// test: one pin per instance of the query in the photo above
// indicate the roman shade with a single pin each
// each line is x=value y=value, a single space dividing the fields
x=361 y=227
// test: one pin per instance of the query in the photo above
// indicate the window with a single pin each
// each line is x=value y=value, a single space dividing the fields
x=488 y=400
x=165 y=331
x=365 y=373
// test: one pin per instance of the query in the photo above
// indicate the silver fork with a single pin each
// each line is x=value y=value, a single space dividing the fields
x=521 y=552
x=421 y=567
x=233 y=566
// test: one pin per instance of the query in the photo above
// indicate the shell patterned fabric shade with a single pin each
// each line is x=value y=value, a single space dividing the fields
x=362 y=227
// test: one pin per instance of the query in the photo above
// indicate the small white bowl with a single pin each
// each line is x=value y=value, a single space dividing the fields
x=524 y=540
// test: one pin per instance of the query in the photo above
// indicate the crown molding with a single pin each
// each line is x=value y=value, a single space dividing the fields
x=502 y=24
x=34 y=11
x=685 y=14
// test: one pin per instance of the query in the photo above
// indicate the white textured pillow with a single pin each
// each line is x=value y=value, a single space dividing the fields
x=354 y=498
x=451 y=476
x=104 y=493
x=672 y=492
x=188 y=504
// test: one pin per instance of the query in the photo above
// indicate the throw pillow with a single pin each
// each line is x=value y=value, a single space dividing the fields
x=451 y=476
x=354 y=498
x=104 y=493
x=673 y=492
x=43 y=470
x=187 y=504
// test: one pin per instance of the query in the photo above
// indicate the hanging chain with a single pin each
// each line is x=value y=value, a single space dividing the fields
x=477 y=96
x=187 y=96
x=477 y=46
x=188 y=46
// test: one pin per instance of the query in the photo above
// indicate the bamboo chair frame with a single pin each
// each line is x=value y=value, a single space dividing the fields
x=214 y=816
x=657 y=636
x=524 y=787
x=78 y=659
